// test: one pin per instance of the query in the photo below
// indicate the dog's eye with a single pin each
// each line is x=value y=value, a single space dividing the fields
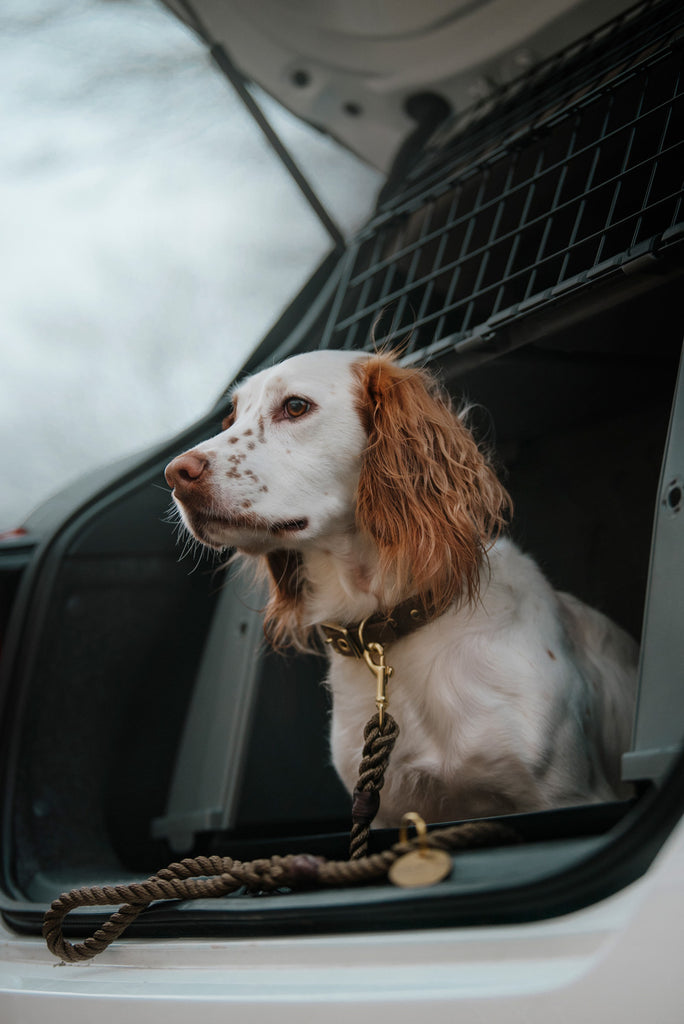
x=296 y=407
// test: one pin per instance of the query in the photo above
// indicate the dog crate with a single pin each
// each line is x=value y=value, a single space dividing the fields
x=574 y=178
x=531 y=253
x=547 y=204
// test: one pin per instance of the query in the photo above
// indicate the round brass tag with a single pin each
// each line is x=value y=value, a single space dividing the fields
x=420 y=867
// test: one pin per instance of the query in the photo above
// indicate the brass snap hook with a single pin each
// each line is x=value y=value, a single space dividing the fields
x=374 y=656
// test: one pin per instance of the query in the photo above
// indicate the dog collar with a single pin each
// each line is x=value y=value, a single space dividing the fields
x=382 y=628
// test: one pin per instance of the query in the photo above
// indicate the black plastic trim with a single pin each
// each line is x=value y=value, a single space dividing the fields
x=625 y=854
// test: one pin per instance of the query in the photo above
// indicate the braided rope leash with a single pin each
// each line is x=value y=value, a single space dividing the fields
x=379 y=738
x=213 y=877
x=207 y=877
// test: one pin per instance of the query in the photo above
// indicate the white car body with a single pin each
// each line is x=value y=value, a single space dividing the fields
x=619 y=959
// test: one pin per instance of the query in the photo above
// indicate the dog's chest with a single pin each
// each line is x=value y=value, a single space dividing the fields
x=442 y=709
x=473 y=719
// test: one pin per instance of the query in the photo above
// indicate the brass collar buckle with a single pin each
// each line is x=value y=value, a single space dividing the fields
x=368 y=640
x=345 y=642
x=342 y=640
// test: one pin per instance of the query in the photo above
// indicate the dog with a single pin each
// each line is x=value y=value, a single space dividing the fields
x=363 y=495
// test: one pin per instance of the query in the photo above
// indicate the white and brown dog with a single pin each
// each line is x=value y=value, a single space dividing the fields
x=360 y=489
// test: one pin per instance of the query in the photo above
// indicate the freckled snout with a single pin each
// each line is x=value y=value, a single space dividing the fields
x=185 y=472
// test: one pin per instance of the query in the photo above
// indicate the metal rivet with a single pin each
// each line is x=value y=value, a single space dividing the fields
x=674 y=496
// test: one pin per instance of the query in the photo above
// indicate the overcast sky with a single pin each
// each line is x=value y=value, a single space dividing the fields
x=148 y=237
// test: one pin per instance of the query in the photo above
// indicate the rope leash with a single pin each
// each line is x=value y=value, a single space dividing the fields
x=379 y=738
x=213 y=877
x=194 y=878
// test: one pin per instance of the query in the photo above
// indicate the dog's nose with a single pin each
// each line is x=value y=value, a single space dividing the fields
x=183 y=472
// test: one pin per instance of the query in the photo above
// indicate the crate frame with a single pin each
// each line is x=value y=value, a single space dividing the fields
x=557 y=189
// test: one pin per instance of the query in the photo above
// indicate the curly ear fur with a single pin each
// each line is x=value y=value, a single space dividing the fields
x=426 y=494
x=282 y=626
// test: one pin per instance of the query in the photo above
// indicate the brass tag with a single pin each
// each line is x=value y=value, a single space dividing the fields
x=420 y=867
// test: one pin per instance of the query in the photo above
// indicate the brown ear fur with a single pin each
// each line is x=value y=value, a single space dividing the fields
x=281 y=615
x=426 y=494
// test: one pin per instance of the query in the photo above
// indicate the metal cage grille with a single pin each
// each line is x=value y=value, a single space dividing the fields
x=574 y=176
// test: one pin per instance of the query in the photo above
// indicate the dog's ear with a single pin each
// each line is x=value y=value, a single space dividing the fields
x=229 y=418
x=426 y=493
x=281 y=615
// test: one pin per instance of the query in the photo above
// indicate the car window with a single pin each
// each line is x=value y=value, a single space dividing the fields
x=150 y=236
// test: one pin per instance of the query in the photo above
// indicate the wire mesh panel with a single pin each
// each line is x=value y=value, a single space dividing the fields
x=579 y=168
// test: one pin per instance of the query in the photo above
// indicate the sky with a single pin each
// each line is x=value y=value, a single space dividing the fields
x=148 y=236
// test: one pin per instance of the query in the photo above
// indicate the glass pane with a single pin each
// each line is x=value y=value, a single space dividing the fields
x=150 y=236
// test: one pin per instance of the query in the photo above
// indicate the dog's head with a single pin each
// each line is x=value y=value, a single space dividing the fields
x=329 y=443
x=284 y=469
